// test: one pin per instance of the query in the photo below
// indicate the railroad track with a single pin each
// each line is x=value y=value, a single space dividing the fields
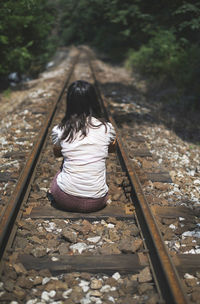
x=116 y=255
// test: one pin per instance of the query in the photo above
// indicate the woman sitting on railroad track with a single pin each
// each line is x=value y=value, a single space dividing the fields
x=84 y=140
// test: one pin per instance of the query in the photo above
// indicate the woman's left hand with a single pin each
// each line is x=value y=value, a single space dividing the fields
x=57 y=151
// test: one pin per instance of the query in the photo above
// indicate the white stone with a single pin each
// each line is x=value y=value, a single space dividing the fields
x=181 y=218
x=85 y=301
x=96 y=300
x=188 y=276
x=66 y=293
x=105 y=277
x=32 y=301
x=105 y=288
x=55 y=259
x=116 y=276
x=45 y=280
x=110 y=225
x=84 y=285
x=52 y=293
x=85 y=288
x=94 y=239
x=49 y=64
x=177 y=245
x=80 y=247
x=192 y=251
x=192 y=233
x=172 y=226
x=44 y=189
x=111 y=299
x=45 y=296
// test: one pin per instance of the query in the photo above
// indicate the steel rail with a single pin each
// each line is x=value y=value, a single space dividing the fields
x=10 y=213
x=166 y=273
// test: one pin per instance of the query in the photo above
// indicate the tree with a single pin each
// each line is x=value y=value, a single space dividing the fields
x=25 y=26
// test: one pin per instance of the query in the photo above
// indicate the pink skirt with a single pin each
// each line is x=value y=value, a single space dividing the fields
x=73 y=203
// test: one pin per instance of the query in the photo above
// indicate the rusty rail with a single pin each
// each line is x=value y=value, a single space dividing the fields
x=166 y=274
x=10 y=213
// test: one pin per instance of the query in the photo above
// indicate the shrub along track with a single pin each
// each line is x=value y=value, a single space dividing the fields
x=60 y=257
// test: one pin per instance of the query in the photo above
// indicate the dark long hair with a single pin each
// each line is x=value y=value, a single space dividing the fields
x=82 y=105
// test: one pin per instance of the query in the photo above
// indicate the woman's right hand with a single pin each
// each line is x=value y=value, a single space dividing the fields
x=112 y=146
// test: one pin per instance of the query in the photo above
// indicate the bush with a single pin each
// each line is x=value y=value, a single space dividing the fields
x=159 y=55
x=25 y=27
x=175 y=60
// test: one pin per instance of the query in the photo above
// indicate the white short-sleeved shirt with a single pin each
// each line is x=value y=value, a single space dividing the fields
x=84 y=172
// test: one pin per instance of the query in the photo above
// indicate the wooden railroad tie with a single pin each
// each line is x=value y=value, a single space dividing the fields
x=48 y=212
x=109 y=264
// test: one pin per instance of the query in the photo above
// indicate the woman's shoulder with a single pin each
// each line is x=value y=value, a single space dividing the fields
x=57 y=130
x=105 y=128
x=101 y=122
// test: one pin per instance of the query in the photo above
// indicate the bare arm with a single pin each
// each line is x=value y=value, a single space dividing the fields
x=112 y=146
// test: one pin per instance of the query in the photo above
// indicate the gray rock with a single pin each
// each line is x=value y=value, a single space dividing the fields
x=96 y=284
x=129 y=246
x=134 y=230
x=77 y=294
x=38 y=252
x=95 y=293
x=24 y=282
x=142 y=288
x=63 y=248
x=154 y=299
x=145 y=275
x=9 y=285
x=70 y=236
x=108 y=249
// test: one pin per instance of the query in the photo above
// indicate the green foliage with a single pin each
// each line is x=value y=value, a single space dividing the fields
x=91 y=22
x=164 y=56
x=187 y=71
x=190 y=16
x=159 y=55
x=6 y=93
x=25 y=26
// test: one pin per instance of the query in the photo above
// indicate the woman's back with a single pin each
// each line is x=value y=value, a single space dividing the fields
x=83 y=172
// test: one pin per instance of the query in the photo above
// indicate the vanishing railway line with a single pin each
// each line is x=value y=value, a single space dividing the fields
x=116 y=255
